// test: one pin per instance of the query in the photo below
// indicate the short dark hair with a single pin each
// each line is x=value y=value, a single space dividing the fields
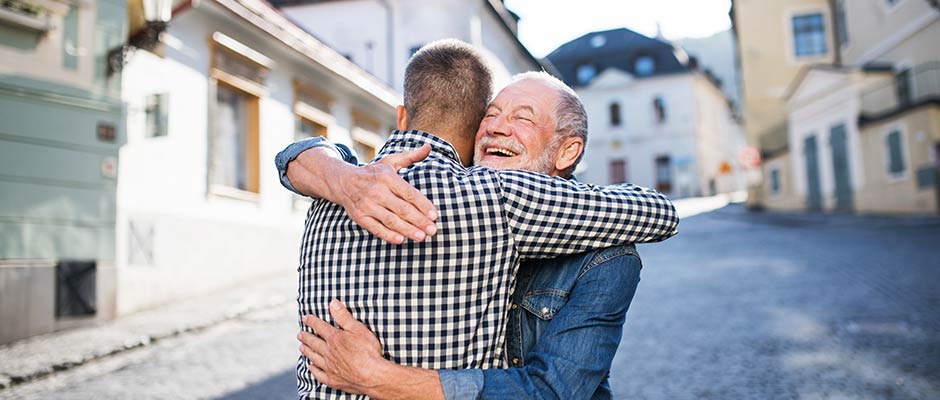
x=447 y=86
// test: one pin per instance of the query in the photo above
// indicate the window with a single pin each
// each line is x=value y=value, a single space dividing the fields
x=365 y=136
x=614 y=114
x=233 y=156
x=644 y=66
x=313 y=111
x=663 y=174
x=895 y=154
x=618 y=172
x=659 y=109
x=309 y=129
x=586 y=73
x=843 y=27
x=809 y=35
x=902 y=82
x=155 y=115
x=775 y=181
x=598 y=41
x=238 y=74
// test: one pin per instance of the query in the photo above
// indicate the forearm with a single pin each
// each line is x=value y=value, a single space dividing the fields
x=315 y=172
x=584 y=217
x=393 y=381
x=294 y=150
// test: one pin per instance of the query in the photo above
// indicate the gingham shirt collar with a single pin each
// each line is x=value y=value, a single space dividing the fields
x=400 y=141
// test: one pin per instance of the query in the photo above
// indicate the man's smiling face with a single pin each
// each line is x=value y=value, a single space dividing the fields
x=518 y=129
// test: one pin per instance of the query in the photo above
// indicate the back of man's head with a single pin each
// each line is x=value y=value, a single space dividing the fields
x=447 y=88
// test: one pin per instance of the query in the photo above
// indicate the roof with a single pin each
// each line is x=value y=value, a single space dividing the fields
x=267 y=19
x=507 y=18
x=617 y=48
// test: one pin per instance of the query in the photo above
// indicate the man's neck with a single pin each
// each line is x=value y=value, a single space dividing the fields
x=462 y=146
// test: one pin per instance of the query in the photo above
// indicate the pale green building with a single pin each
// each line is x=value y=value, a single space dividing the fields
x=61 y=125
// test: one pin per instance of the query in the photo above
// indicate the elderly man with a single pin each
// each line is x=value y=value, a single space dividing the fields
x=442 y=302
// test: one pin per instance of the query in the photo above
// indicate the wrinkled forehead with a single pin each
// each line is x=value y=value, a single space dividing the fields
x=528 y=93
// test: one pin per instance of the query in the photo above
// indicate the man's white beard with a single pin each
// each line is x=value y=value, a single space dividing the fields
x=544 y=163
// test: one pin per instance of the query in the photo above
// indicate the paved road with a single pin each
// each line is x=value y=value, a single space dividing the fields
x=738 y=306
x=771 y=306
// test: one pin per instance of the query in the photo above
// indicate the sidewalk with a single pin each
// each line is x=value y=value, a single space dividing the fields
x=29 y=359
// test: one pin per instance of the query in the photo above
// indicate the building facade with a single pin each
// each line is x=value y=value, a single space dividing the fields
x=200 y=206
x=60 y=130
x=655 y=119
x=385 y=33
x=859 y=127
x=775 y=40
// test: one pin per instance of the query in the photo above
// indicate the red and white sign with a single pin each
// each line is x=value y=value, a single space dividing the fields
x=749 y=157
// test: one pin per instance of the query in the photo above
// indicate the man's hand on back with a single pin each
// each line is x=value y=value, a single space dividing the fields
x=349 y=357
x=374 y=196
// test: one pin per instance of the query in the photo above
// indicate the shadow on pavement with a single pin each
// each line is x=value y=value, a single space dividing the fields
x=280 y=386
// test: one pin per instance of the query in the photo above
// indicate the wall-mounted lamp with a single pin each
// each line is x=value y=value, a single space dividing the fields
x=157 y=14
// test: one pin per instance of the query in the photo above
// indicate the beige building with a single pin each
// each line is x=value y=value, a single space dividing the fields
x=775 y=40
x=859 y=123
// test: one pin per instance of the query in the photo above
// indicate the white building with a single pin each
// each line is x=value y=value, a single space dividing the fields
x=200 y=206
x=381 y=35
x=654 y=118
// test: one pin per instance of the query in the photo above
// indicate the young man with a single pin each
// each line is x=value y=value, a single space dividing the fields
x=442 y=302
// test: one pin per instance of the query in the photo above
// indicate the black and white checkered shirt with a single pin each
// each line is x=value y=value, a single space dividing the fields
x=442 y=303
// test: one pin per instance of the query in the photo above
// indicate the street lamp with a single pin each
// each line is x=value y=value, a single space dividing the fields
x=157 y=15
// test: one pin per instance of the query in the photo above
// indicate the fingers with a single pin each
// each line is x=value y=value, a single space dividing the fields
x=413 y=206
x=343 y=317
x=320 y=327
x=405 y=159
x=378 y=229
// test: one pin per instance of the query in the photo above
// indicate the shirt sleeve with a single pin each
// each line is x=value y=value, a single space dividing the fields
x=294 y=149
x=550 y=216
x=466 y=384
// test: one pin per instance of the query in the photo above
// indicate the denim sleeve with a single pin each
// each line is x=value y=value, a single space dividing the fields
x=294 y=149
x=463 y=384
x=573 y=355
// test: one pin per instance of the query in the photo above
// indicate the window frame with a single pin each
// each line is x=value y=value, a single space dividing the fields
x=824 y=12
x=253 y=92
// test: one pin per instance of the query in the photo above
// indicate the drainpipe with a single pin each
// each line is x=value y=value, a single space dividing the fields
x=390 y=49
x=836 y=46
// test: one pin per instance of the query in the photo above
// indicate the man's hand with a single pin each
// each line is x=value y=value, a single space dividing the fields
x=374 y=196
x=344 y=358
x=349 y=358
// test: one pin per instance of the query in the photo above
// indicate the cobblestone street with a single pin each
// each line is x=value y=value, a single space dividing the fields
x=738 y=306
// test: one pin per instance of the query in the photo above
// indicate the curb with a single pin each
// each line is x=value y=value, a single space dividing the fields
x=37 y=357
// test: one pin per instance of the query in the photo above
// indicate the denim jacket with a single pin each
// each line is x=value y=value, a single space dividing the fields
x=563 y=327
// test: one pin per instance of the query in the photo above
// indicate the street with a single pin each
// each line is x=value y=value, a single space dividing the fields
x=738 y=306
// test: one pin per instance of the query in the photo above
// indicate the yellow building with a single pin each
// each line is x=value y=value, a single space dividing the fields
x=775 y=40
x=858 y=126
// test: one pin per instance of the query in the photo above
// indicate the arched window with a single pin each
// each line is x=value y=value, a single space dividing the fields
x=644 y=66
x=615 y=114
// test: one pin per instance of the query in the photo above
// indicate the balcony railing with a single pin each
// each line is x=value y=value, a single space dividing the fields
x=909 y=87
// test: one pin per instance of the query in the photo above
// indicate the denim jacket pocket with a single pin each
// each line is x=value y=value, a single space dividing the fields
x=544 y=304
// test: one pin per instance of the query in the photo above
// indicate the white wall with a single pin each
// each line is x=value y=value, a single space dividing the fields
x=640 y=138
x=349 y=25
x=202 y=241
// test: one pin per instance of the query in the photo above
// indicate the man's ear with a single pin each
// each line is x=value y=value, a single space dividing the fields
x=402 y=117
x=569 y=151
